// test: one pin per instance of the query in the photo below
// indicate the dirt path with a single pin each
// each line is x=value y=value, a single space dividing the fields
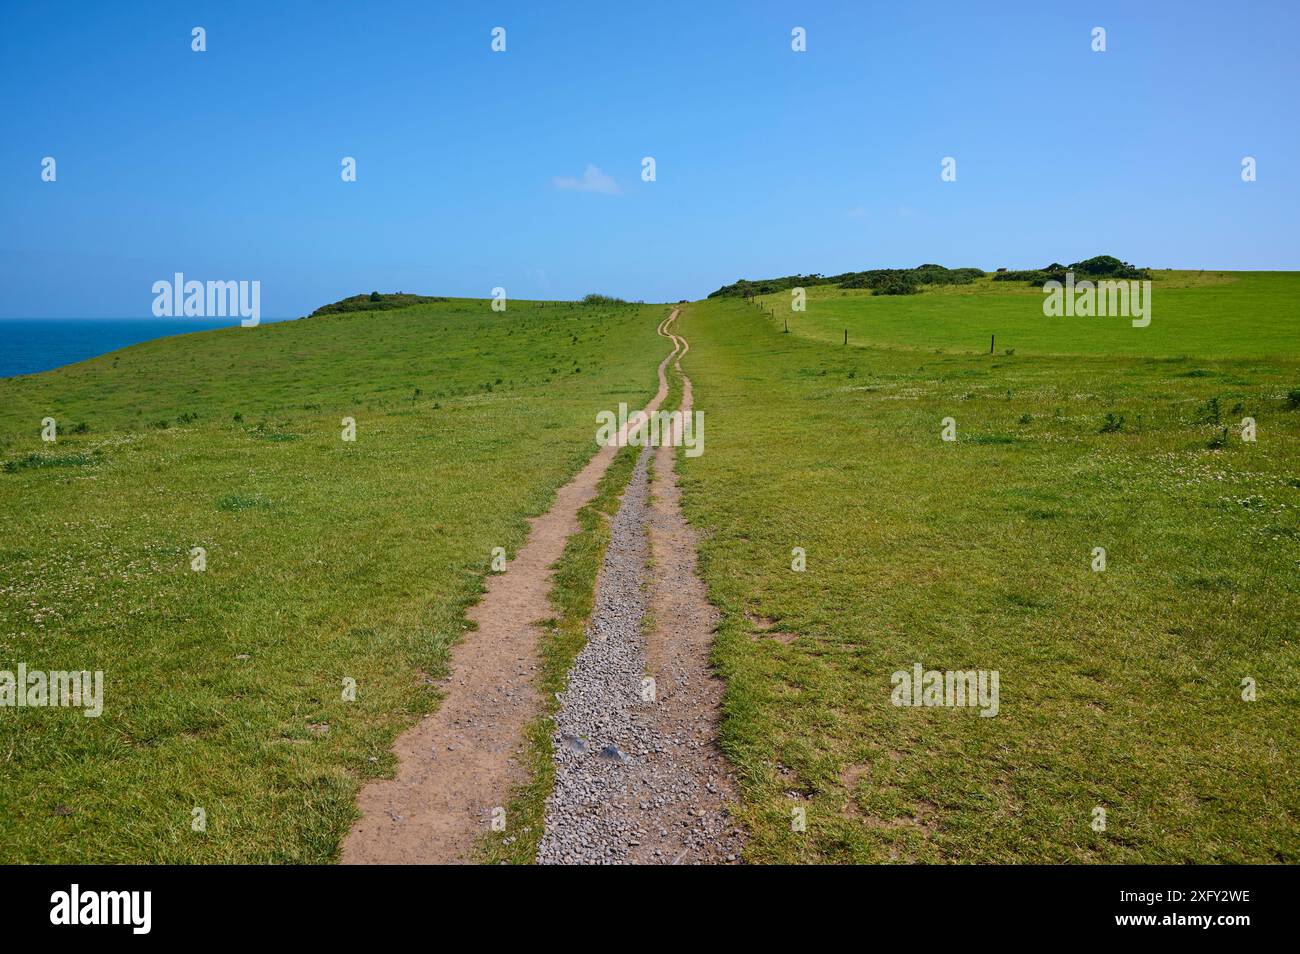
x=642 y=780
x=460 y=762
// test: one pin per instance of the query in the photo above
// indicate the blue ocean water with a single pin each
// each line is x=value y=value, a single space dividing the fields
x=28 y=345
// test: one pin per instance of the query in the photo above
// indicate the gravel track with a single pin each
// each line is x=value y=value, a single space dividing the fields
x=642 y=781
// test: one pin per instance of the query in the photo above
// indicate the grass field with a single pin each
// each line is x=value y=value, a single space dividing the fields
x=1211 y=314
x=1119 y=689
x=330 y=560
x=326 y=560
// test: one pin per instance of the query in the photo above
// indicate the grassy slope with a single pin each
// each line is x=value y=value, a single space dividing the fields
x=1118 y=689
x=325 y=559
x=1226 y=314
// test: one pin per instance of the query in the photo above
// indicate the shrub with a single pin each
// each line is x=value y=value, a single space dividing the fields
x=899 y=283
x=372 y=303
x=1099 y=266
x=745 y=288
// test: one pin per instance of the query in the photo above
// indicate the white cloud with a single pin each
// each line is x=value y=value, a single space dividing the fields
x=593 y=180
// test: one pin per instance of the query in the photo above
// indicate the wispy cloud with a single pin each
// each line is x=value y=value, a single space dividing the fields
x=592 y=180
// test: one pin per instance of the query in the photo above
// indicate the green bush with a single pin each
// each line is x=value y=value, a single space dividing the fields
x=371 y=303
x=928 y=274
x=1099 y=266
x=898 y=283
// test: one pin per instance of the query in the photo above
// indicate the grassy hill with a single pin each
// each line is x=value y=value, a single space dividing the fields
x=1219 y=314
x=329 y=560
x=326 y=560
x=1120 y=689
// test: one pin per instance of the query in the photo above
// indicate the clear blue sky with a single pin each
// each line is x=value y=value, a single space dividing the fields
x=225 y=164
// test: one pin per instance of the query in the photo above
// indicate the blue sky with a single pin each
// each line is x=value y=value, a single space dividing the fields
x=225 y=164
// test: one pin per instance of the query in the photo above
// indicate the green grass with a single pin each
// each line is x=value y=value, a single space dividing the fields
x=1221 y=314
x=330 y=560
x=326 y=560
x=1119 y=689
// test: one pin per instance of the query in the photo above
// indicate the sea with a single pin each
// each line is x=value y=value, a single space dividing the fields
x=29 y=345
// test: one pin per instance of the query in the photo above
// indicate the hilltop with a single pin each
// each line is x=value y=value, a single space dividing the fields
x=910 y=281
